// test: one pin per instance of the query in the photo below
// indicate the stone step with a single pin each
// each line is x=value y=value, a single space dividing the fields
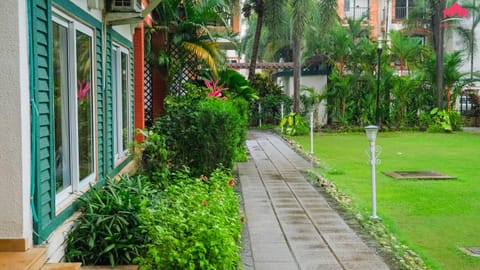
x=32 y=259
x=62 y=266
x=108 y=267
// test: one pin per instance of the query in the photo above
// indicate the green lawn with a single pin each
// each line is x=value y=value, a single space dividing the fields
x=433 y=217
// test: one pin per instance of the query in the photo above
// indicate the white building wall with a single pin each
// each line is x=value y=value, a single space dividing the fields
x=15 y=158
x=454 y=42
x=318 y=82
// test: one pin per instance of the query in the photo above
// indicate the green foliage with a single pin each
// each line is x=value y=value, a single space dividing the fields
x=271 y=98
x=108 y=230
x=196 y=226
x=153 y=160
x=238 y=86
x=202 y=133
x=294 y=125
x=265 y=86
x=186 y=23
x=442 y=121
x=310 y=99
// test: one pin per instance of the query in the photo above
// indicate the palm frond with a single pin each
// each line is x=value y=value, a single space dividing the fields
x=201 y=53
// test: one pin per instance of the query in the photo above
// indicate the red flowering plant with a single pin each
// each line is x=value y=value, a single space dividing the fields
x=215 y=89
x=83 y=89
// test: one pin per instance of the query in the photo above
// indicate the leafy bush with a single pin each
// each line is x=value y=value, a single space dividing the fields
x=202 y=133
x=238 y=86
x=153 y=158
x=441 y=121
x=196 y=226
x=294 y=125
x=271 y=96
x=108 y=230
x=270 y=109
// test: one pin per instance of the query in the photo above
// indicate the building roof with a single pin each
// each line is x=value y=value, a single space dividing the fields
x=262 y=65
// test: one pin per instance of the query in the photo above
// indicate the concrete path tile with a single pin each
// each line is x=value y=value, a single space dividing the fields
x=289 y=224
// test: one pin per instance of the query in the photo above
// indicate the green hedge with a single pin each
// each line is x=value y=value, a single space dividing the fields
x=202 y=133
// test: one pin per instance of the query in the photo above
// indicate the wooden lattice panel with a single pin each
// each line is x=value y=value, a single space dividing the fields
x=148 y=94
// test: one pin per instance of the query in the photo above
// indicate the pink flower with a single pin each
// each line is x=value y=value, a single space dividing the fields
x=215 y=89
x=83 y=88
x=231 y=182
x=204 y=178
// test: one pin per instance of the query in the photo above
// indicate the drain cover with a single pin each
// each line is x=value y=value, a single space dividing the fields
x=422 y=175
x=472 y=251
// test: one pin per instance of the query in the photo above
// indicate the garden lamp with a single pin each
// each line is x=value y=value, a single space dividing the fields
x=371 y=132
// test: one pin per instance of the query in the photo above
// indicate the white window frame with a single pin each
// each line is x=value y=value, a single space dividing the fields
x=77 y=185
x=117 y=51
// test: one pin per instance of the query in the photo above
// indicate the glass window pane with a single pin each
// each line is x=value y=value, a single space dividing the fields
x=60 y=86
x=84 y=104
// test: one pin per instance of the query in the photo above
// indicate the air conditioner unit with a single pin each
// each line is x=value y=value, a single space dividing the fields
x=95 y=4
x=132 y=6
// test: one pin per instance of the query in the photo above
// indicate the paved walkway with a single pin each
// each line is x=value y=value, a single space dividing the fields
x=290 y=224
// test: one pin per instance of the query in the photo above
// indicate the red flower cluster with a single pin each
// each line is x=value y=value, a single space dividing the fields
x=231 y=182
x=215 y=89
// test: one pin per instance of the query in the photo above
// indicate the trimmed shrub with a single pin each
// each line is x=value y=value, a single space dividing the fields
x=202 y=133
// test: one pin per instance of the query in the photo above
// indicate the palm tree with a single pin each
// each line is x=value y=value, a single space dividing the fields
x=468 y=33
x=187 y=23
x=429 y=13
x=301 y=16
x=268 y=12
x=300 y=19
x=453 y=78
x=438 y=31
x=405 y=49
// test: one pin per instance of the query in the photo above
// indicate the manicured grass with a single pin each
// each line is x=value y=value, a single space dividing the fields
x=434 y=217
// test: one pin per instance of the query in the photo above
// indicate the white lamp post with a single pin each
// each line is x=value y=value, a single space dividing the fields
x=311 y=132
x=372 y=136
x=282 y=105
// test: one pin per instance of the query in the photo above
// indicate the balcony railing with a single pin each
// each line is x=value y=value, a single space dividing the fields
x=356 y=12
x=402 y=12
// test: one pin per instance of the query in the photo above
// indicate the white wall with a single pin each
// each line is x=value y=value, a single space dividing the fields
x=453 y=42
x=15 y=217
x=318 y=82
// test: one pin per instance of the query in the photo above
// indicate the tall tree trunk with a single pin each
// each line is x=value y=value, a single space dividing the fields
x=448 y=99
x=472 y=38
x=256 y=40
x=438 y=44
x=297 y=54
x=300 y=11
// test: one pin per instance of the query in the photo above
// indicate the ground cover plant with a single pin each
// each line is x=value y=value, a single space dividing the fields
x=108 y=231
x=433 y=217
x=193 y=223
x=197 y=225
